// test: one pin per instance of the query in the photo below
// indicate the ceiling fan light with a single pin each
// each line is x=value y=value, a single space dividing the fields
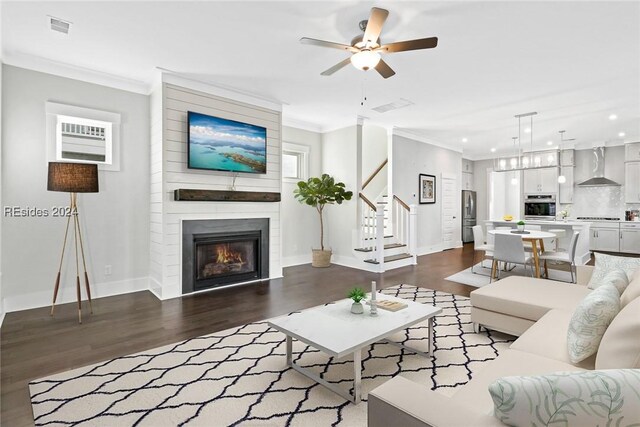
x=365 y=59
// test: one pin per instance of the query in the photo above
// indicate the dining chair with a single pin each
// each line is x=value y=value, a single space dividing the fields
x=567 y=256
x=480 y=245
x=509 y=249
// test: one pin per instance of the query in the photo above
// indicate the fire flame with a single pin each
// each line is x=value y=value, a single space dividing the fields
x=224 y=255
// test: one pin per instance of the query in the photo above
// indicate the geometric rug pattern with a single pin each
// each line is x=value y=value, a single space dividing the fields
x=238 y=377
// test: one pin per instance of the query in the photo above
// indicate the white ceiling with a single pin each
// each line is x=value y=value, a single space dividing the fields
x=575 y=63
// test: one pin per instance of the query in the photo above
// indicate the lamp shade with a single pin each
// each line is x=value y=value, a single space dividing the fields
x=73 y=177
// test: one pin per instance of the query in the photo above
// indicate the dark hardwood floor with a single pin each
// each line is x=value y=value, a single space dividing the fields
x=35 y=345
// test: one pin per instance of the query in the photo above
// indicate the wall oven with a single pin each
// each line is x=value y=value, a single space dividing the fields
x=540 y=206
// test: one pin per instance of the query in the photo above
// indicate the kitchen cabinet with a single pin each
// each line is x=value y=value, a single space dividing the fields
x=541 y=181
x=605 y=239
x=566 y=158
x=632 y=152
x=630 y=238
x=566 y=189
x=632 y=182
x=467 y=181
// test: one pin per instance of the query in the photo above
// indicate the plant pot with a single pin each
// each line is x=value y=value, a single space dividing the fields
x=521 y=228
x=320 y=258
x=357 y=308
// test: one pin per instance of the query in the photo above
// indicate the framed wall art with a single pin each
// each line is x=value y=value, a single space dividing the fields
x=427 y=189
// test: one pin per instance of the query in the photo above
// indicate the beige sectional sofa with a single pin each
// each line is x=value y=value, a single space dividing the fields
x=539 y=312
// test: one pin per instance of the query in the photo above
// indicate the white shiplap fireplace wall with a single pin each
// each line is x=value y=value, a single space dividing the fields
x=169 y=105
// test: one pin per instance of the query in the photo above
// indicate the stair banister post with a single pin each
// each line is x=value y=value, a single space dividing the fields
x=380 y=236
x=413 y=233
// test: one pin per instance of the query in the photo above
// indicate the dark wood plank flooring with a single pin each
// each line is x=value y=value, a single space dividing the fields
x=34 y=345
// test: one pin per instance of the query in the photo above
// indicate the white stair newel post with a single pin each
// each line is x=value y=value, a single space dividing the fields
x=413 y=233
x=380 y=236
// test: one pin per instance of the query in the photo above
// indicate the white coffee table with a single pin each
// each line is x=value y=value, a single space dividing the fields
x=333 y=329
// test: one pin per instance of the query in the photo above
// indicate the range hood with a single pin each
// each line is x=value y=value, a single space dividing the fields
x=598 y=179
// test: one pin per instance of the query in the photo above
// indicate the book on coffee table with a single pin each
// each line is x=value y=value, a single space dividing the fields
x=389 y=305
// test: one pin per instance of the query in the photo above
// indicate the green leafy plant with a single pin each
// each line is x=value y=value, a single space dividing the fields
x=356 y=294
x=520 y=222
x=319 y=192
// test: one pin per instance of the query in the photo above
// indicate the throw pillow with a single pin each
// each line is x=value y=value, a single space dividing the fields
x=590 y=321
x=617 y=278
x=633 y=290
x=606 y=263
x=584 y=398
x=620 y=345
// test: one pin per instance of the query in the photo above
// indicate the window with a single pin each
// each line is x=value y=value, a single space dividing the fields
x=83 y=135
x=294 y=162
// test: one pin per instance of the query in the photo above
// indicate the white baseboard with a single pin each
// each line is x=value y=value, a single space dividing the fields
x=155 y=287
x=67 y=294
x=290 y=261
x=2 y=318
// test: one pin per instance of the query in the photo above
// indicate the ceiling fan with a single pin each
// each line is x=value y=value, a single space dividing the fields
x=366 y=48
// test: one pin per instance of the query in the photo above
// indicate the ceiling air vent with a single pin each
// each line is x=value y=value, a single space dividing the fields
x=59 y=25
x=401 y=103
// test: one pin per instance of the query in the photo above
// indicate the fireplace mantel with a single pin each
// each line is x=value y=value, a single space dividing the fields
x=189 y=195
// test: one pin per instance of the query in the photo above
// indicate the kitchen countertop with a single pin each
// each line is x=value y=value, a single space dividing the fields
x=568 y=223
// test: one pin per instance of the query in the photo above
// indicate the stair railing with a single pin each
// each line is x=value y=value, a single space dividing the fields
x=368 y=223
x=405 y=225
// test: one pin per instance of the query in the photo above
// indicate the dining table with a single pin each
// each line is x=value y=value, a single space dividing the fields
x=536 y=238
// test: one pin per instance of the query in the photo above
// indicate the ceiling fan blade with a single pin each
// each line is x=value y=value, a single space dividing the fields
x=384 y=69
x=428 y=43
x=374 y=24
x=323 y=43
x=336 y=67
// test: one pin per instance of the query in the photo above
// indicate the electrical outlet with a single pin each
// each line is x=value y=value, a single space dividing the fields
x=107 y=270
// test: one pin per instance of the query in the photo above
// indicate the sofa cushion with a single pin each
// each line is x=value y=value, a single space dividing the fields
x=632 y=291
x=606 y=263
x=588 y=398
x=548 y=338
x=620 y=345
x=528 y=298
x=474 y=394
x=590 y=321
x=617 y=278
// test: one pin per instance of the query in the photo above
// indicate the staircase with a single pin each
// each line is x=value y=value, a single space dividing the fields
x=386 y=231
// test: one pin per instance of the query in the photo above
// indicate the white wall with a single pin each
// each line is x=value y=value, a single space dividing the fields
x=340 y=159
x=176 y=101
x=301 y=226
x=412 y=158
x=115 y=220
x=374 y=152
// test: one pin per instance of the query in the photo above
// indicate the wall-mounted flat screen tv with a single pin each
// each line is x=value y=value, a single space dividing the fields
x=219 y=144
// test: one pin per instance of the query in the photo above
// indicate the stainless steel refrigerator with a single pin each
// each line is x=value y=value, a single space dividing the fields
x=468 y=215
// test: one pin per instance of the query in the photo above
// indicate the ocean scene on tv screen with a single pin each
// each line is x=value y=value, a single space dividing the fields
x=220 y=144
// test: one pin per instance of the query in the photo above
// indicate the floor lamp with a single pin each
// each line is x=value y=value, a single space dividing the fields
x=73 y=178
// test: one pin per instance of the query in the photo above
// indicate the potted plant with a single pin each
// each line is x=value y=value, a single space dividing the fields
x=319 y=192
x=564 y=214
x=357 y=295
x=520 y=226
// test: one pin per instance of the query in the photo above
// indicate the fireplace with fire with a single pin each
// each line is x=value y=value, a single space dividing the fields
x=213 y=257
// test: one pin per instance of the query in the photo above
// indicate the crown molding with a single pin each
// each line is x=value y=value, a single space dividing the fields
x=69 y=71
x=223 y=91
x=409 y=134
x=300 y=124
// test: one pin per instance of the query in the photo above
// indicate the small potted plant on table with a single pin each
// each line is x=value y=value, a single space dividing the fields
x=357 y=295
x=520 y=226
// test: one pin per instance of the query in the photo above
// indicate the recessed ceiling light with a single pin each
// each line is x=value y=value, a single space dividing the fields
x=493 y=150
x=612 y=117
x=622 y=134
x=464 y=140
x=549 y=142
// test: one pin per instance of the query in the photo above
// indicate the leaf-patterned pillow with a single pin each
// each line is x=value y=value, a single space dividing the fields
x=606 y=263
x=583 y=398
x=590 y=321
x=617 y=278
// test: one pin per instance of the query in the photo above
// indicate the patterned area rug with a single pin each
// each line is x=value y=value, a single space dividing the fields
x=239 y=377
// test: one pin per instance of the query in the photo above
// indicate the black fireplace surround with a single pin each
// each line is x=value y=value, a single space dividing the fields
x=222 y=252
